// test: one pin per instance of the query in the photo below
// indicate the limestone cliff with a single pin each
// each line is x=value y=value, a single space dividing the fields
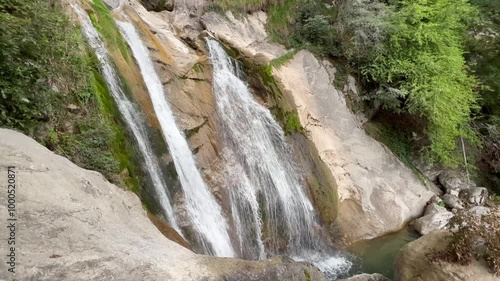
x=377 y=193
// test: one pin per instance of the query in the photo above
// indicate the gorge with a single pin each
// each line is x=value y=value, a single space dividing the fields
x=247 y=154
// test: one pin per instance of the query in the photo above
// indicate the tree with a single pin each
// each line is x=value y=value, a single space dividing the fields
x=424 y=60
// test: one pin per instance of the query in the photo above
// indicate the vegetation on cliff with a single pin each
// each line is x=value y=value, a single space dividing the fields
x=435 y=62
x=51 y=89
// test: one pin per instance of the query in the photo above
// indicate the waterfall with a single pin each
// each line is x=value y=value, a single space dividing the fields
x=130 y=113
x=205 y=213
x=262 y=179
x=257 y=143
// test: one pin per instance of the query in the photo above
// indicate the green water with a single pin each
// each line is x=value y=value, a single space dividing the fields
x=377 y=255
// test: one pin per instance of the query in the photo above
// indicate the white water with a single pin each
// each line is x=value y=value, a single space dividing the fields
x=258 y=145
x=205 y=213
x=262 y=179
x=130 y=113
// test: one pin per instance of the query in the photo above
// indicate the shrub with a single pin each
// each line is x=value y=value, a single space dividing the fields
x=364 y=27
x=469 y=232
x=424 y=61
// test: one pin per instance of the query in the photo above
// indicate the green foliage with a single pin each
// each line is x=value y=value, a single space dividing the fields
x=292 y=124
x=424 y=62
x=106 y=25
x=280 y=61
x=44 y=67
x=36 y=46
x=364 y=27
x=398 y=141
x=313 y=29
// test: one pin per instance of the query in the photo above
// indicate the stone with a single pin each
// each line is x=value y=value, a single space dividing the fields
x=452 y=201
x=433 y=208
x=478 y=196
x=453 y=180
x=378 y=194
x=413 y=264
x=75 y=225
x=432 y=222
x=246 y=34
x=73 y=108
x=480 y=211
x=367 y=277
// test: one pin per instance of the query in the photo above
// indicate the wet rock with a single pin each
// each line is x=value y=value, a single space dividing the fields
x=367 y=277
x=453 y=201
x=413 y=264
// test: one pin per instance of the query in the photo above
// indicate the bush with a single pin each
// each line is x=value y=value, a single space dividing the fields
x=469 y=232
x=364 y=27
x=424 y=61
x=314 y=31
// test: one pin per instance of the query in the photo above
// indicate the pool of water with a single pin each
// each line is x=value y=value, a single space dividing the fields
x=377 y=255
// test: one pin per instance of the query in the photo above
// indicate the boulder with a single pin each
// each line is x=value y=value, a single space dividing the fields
x=378 y=194
x=413 y=264
x=433 y=208
x=452 y=201
x=453 y=180
x=478 y=195
x=367 y=277
x=75 y=225
x=480 y=211
x=246 y=34
x=437 y=219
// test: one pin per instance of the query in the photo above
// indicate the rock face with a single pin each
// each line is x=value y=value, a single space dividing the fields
x=75 y=225
x=433 y=221
x=412 y=263
x=378 y=194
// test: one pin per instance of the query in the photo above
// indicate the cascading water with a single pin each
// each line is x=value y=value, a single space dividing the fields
x=205 y=213
x=258 y=144
x=263 y=181
x=130 y=113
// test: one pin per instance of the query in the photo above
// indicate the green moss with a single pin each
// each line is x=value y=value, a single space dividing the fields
x=280 y=61
x=122 y=149
x=198 y=67
x=307 y=275
x=189 y=133
x=103 y=21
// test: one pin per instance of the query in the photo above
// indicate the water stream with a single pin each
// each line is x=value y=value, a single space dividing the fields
x=262 y=178
x=130 y=113
x=205 y=213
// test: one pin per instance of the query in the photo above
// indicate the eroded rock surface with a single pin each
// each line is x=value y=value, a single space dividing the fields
x=378 y=194
x=75 y=225
x=413 y=264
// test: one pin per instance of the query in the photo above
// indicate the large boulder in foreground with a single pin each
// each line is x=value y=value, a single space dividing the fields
x=72 y=224
x=413 y=264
